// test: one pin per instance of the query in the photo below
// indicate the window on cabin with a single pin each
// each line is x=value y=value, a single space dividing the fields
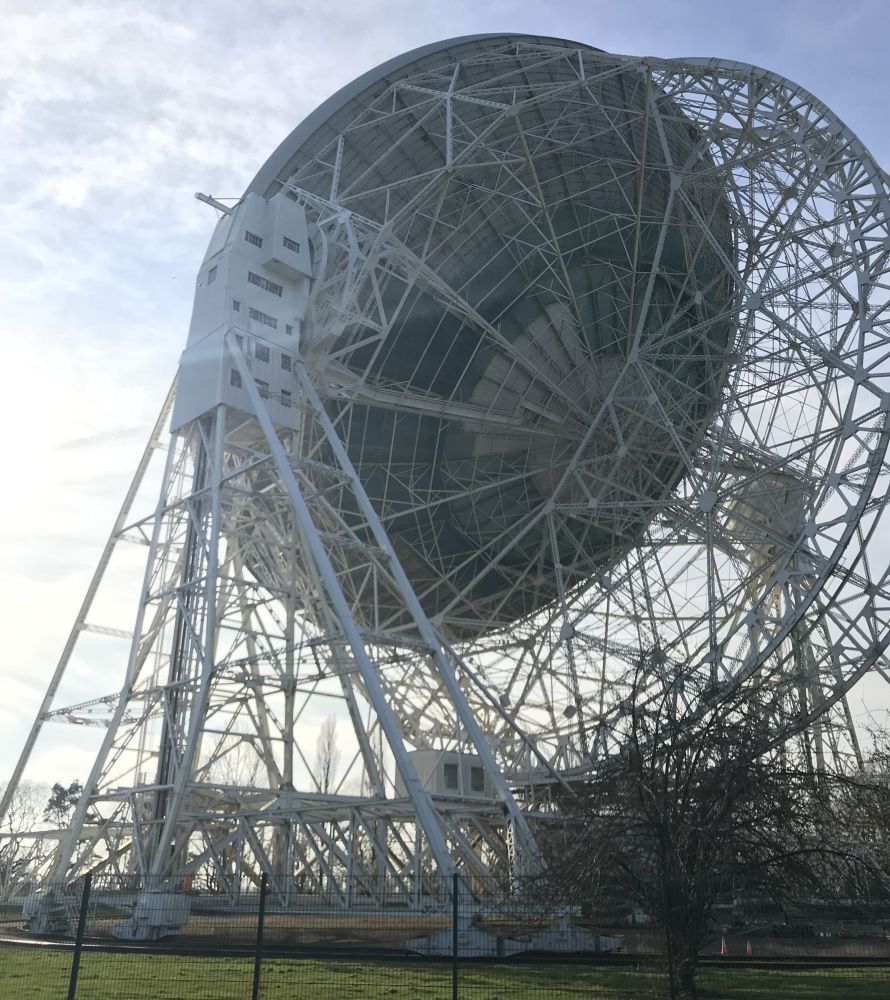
x=265 y=284
x=264 y=318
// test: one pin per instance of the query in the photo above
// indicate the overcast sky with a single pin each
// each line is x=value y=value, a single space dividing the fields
x=112 y=114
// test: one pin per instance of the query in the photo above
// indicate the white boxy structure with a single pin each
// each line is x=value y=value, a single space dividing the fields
x=445 y=772
x=255 y=282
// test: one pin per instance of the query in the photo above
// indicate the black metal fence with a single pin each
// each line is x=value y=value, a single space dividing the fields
x=104 y=939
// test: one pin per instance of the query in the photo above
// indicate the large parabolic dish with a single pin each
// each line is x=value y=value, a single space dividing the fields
x=596 y=334
x=559 y=316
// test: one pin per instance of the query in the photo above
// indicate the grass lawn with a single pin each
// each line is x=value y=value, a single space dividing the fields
x=42 y=974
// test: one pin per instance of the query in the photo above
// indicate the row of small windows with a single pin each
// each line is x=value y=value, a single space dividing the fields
x=258 y=279
x=477 y=778
x=263 y=318
x=262 y=353
x=265 y=284
x=285 y=395
x=257 y=241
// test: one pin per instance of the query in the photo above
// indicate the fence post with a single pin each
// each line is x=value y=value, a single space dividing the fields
x=78 y=937
x=455 y=941
x=258 y=951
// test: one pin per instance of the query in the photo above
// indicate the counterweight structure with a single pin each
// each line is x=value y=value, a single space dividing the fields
x=519 y=370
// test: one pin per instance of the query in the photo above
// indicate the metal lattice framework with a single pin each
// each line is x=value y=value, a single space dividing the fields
x=592 y=373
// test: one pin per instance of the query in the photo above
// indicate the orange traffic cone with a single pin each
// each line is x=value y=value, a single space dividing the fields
x=723 y=949
x=749 y=951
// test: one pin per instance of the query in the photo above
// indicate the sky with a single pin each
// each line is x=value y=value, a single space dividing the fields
x=113 y=113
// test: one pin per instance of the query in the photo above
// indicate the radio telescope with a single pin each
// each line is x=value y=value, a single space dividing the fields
x=521 y=370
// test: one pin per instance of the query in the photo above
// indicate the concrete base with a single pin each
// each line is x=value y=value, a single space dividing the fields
x=565 y=937
x=49 y=911
x=158 y=914
x=471 y=943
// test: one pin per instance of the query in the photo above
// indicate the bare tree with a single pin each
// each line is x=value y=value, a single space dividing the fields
x=701 y=805
x=21 y=854
x=239 y=764
x=327 y=755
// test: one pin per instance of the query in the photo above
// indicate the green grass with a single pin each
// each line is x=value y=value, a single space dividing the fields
x=779 y=984
x=42 y=974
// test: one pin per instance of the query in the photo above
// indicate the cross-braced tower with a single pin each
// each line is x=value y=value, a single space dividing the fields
x=518 y=366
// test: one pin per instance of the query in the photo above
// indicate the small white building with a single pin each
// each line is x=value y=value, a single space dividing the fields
x=448 y=772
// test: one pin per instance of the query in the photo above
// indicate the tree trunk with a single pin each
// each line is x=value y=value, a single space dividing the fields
x=682 y=967
x=682 y=943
